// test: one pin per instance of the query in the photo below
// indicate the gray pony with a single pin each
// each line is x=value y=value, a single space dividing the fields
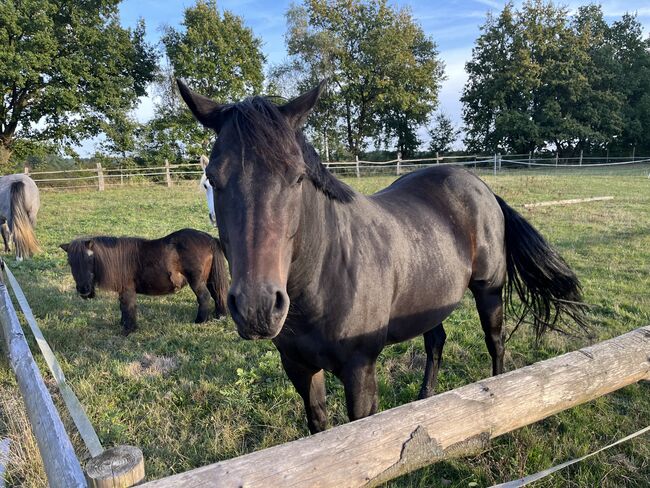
x=19 y=203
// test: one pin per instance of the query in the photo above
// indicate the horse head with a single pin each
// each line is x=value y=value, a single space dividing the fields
x=257 y=169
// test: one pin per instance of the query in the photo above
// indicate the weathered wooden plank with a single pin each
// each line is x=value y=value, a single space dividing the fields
x=71 y=401
x=566 y=202
x=61 y=464
x=381 y=447
x=5 y=444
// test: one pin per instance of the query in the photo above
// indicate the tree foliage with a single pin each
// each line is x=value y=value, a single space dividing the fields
x=540 y=77
x=384 y=72
x=442 y=134
x=68 y=70
x=216 y=55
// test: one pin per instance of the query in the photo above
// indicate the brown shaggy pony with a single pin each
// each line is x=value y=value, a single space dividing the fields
x=130 y=265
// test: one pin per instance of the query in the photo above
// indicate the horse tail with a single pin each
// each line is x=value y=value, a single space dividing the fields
x=543 y=281
x=21 y=223
x=218 y=278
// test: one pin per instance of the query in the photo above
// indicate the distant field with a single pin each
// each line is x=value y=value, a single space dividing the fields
x=190 y=395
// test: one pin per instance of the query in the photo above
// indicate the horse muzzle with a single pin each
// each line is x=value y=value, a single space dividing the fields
x=86 y=294
x=259 y=311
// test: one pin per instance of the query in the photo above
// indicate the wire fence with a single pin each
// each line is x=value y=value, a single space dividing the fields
x=100 y=178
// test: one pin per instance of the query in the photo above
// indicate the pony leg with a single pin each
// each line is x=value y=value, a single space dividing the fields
x=360 y=384
x=489 y=303
x=310 y=384
x=129 y=311
x=434 y=340
x=6 y=235
x=203 y=298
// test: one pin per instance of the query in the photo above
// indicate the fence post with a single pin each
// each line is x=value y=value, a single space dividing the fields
x=633 y=151
x=499 y=158
x=27 y=170
x=437 y=158
x=580 y=157
x=399 y=162
x=168 y=176
x=530 y=157
x=556 y=157
x=100 y=177
x=357 y=160
x=495 y=164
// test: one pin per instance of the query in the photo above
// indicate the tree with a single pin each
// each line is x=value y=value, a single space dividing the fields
x=68 y=70
x=384 y=72
x=215 y=54
x=540 y=77
x=443 y=134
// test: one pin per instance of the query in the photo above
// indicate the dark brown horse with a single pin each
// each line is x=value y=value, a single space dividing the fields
x=130 y=265
x=333 y=276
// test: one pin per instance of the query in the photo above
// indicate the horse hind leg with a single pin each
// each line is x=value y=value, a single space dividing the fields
x=489 y=303
x=202 y=297
x=434 y=341
x=6 y=234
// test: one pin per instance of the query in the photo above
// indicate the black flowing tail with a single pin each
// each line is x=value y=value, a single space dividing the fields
x=544 y=283
x=218 y=282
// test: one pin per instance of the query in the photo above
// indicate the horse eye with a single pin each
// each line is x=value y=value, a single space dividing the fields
x=299 y=180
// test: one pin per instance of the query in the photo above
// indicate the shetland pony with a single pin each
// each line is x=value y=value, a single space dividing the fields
x=131 y=265
x=19 y=203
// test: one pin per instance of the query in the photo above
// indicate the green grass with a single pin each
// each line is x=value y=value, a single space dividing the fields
x=190 y=395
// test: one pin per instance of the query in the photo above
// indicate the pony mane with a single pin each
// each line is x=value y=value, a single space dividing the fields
x=260 y=125
x=117 y=259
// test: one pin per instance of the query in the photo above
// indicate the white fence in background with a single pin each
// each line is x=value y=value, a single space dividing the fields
x=101 y=178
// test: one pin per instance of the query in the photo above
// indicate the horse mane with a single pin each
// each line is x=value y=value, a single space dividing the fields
x=117 y=259
x=260 y=125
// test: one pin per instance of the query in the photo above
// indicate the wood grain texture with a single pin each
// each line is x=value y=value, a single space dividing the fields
x=61 y=464
x=452 y=424
x=120 y=466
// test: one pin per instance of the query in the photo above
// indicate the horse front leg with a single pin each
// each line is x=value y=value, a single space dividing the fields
x=434 y=341
x=129 y=311
x=360 y=384
x=310 y=384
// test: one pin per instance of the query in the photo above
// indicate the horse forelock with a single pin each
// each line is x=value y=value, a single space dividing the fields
x=261 y=126
x=116 y=259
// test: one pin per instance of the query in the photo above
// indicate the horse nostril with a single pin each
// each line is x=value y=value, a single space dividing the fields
x=280 y=301
x=232 y=303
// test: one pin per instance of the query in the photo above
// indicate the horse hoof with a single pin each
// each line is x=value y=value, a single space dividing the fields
x=126 y=332
x=19 y=258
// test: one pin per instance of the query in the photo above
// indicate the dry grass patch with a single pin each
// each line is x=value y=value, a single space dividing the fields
x=151 y=365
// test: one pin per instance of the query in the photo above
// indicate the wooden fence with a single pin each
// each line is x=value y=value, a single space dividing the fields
x=101 y=177
x=453 y=424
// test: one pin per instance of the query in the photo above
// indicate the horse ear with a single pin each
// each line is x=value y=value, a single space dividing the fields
x=204 y=161
x=65 y=246
x=297 y=110
x=205 y=110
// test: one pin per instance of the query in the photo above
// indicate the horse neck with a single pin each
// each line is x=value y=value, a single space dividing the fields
x=324 y=236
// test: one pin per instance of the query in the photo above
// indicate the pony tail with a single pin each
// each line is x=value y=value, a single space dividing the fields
x=21 y=223
x=545 y=284
x=218 y=279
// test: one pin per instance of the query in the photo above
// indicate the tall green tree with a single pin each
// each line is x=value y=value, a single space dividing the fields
x=443 y=134
x=68 y=70
x=217 y=55
x=540 y=77
x=384 y=71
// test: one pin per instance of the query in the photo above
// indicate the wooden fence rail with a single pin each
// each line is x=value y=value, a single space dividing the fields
x=61 y=464
x=461 y=421
x=100 y=177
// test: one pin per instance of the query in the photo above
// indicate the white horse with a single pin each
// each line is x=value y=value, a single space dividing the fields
x=209 y=192
x=19 y=203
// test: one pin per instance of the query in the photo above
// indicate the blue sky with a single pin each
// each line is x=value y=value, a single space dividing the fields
x=453 y=25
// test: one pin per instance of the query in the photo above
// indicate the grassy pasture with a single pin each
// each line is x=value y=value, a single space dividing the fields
x=190 y=395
